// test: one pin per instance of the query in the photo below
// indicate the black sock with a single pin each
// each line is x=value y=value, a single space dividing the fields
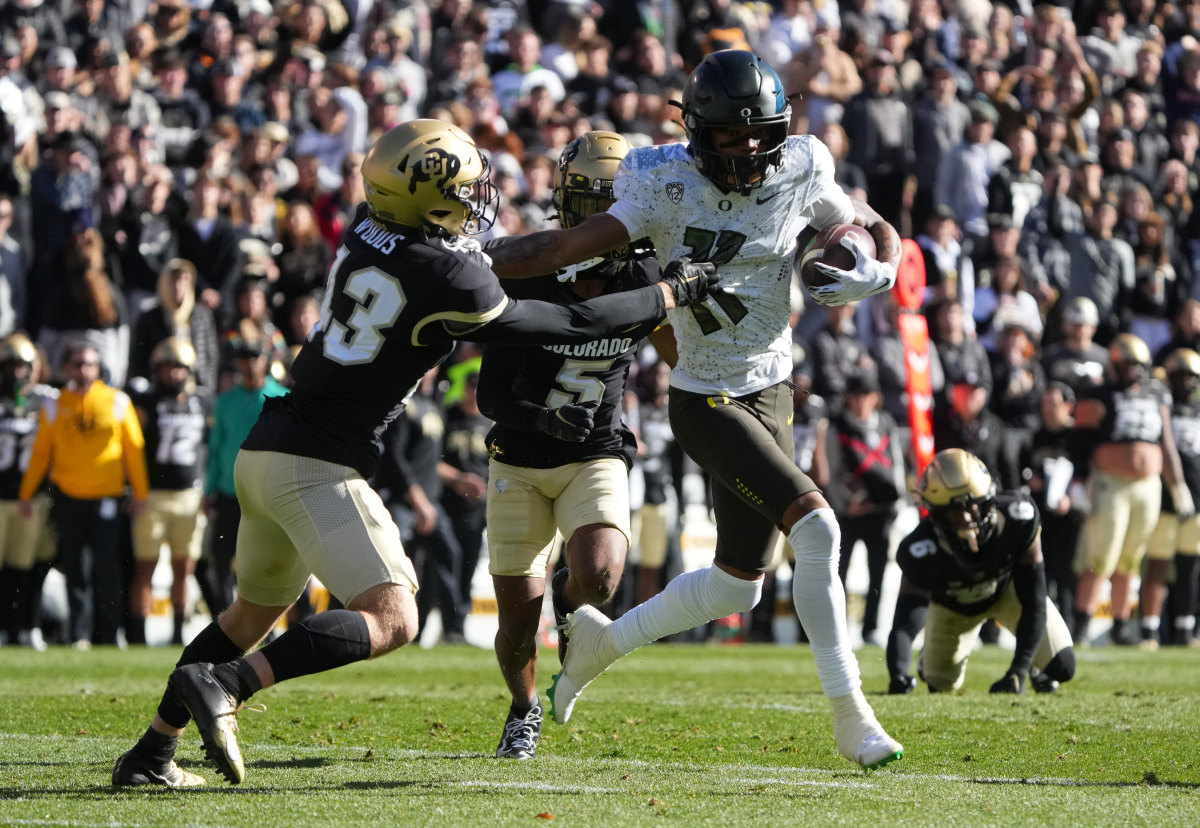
x=213 y=645
x=321 y=642
x=239 y=678
x=177 y=632
x=157 y=747
x=135 y=630
x=520 y=710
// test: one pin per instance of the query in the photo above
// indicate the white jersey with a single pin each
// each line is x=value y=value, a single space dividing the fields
x=737 y=341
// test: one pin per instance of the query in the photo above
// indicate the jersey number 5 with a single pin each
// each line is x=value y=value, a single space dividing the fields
x=718 y=248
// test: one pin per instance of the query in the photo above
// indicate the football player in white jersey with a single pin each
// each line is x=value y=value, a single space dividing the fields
x=738 y=194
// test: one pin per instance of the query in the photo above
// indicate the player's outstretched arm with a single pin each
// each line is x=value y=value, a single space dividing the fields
x=912 y=605
x=546 y=251
x=1029 y=581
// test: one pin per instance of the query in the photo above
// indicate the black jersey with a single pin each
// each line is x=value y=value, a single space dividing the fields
x=176 y=431
x=1185 y=427
x=1131 y=415
x=18 y=427
x=395 y=301
x=970 y=588
x=513 y=381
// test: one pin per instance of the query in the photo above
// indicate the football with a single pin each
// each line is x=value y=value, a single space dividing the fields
x=826 y=247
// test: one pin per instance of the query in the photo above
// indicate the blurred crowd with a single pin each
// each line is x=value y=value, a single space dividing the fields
x=183 y=170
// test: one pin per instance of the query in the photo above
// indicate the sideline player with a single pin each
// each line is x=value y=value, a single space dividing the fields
x=560 y=454
x=405 y=284
x=977 y=554
x=738 y=194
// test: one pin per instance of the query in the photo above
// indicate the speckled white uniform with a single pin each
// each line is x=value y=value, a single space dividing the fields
x=738 y=341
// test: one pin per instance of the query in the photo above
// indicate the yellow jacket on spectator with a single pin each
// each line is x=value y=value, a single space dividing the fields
x=91 y=443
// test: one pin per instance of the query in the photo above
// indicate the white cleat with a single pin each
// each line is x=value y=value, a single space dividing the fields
x=592 y=652
x=860 y=737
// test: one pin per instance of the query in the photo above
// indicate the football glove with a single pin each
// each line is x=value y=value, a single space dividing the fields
x=869 y=276
x=902 y=685
x=1182 y=498
x=1012 y=682
x=571 y=423
x=690 y=281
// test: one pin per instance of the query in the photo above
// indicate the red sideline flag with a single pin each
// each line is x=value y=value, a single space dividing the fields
x=914 y=334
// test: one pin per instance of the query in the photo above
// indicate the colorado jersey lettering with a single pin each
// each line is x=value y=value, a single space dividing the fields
x=552 y=376
x=737 y=340
x=971 y=590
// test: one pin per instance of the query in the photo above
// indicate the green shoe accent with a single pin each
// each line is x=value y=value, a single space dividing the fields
x=550 y=692
x=884 y=761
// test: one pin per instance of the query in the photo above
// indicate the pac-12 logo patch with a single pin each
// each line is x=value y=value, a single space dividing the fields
x=675 y=191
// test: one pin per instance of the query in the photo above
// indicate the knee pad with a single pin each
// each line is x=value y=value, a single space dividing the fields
x=816 y=538
x=727 y=594
x=1062 y=666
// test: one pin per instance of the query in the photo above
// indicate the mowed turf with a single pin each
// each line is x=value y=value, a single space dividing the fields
x=673 y=735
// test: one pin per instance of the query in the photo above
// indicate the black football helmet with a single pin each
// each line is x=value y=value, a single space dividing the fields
x=957 y=490
x=734 y=88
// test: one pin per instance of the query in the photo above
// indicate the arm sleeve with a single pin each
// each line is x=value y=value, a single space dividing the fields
x=1030 y=584
x=497 y=400
x=629 y=313
x=911 y=610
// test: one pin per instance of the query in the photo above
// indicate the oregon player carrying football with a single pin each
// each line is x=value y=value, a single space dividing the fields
x=405 y=283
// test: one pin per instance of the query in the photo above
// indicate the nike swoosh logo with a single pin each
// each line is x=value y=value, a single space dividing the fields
x=765 y=199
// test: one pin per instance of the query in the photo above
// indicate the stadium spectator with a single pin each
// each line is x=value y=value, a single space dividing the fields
x=90 y=444
x=175 y=313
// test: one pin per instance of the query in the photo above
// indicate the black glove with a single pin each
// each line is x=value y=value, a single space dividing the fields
x=690 y=281
x=1012 y=682
x=571 y=423
x=901 y=685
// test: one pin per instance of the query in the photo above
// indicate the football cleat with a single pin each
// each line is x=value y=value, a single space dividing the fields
x=1041 y=682
x=521 y=733
x=860 y=737
x=592 y=653
x=558 y=600
x=214 y=710
x=132 y=770
x=901 y=685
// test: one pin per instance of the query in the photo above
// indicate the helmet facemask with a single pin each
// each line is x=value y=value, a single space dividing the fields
x=583 y=187
x=740 y=172
x=965 y=525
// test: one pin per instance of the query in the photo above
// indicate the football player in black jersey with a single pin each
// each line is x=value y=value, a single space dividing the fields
x=977 y=554
x=406 y=282
x=560 y=453
x=1126 y=424
x=1177 y=536
x=21 y=573
x=175 y=415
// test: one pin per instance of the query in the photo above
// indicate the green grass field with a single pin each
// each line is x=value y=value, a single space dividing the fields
x=673 y=735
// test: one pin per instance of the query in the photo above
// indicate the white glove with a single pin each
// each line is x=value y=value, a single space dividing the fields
x=869 y=276
x=1182 y=498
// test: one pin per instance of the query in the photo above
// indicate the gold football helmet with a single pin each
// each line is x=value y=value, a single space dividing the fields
x=1129 y=359
x=957 y=489
x=586 y=169
x=428 y=173
x=173 y=351
x=1182 y=361
x=17 y=347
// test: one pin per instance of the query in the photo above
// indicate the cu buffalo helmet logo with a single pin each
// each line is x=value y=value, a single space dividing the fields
x=675 y=191
x=437 y=166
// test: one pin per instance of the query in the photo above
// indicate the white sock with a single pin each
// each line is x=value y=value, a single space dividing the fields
x=821 y=600
x=1151 y=622
x=1185 y=622
x=690 y=599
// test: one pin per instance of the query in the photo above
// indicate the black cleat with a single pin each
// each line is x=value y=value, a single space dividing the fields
x=901 y=685
x=214 y=710
x=132 y=770
x=521 y=733
x=1042 y=683
x=558 y=600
